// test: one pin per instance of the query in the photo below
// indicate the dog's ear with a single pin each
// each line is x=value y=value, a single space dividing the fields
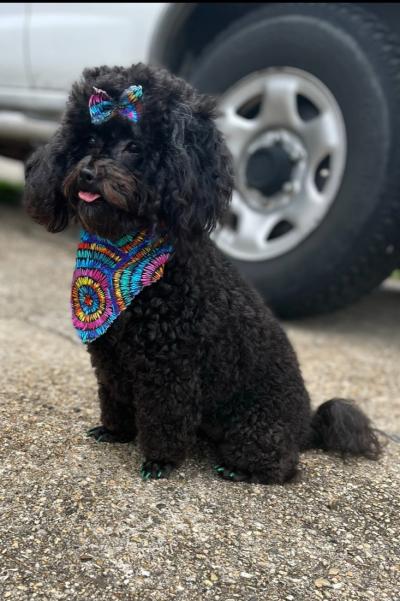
x=197 y=171
x=43 y=197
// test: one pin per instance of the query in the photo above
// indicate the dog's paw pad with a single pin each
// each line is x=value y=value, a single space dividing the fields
x=232 y=475
x=103 y=434
x=155 y=470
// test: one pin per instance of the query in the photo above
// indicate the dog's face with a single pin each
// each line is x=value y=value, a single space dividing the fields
x=170 y=169
x=104 y=182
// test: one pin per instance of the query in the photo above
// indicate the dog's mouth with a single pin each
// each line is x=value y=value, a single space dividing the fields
x=88 y=196
x=107 y=206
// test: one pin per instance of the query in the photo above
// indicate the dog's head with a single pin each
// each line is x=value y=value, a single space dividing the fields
x=169 y=169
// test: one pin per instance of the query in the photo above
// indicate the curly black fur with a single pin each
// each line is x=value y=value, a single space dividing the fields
x=198 y=352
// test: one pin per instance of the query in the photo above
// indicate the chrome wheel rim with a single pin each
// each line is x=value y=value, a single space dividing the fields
x=290 y=110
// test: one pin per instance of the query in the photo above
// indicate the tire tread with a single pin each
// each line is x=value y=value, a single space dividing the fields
x=378 y=249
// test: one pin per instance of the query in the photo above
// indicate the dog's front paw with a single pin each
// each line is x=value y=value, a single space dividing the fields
x=156 y=470
x=232 y=475
x=103 y=434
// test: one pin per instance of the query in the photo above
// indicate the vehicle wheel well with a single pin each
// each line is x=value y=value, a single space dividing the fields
x=187 y=28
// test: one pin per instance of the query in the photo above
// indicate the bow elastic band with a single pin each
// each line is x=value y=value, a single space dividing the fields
x=102 y=107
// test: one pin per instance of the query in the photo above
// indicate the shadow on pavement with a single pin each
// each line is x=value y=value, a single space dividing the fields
x=376 y=316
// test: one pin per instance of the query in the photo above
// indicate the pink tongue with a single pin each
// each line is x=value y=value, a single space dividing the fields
x=88 y=196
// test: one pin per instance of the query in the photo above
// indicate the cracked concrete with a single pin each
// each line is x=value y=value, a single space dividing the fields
x=76 y=521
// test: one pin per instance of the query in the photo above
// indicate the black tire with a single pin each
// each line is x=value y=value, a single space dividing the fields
x=356 y=246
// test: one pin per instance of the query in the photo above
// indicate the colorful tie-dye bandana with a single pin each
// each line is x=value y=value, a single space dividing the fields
x=108 y=275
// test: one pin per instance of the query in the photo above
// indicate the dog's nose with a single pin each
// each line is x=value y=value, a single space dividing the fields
x=87 y=175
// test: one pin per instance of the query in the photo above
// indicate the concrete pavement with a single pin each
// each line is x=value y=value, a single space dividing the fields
x=76 y=521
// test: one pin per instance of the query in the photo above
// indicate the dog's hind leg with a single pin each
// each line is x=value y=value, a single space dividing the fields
x=255 y=451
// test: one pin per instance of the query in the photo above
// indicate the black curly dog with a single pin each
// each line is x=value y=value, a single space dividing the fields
x=197 y=353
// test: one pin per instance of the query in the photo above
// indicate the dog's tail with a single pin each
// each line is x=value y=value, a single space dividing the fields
x=339 y=426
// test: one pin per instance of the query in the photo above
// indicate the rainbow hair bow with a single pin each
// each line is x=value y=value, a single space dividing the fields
x=129 y=106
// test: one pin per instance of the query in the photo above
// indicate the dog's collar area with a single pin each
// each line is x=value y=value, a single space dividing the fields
x=109 y=274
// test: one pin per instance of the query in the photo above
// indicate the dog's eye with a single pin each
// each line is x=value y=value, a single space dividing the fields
x=131 y=147
x=92 y=141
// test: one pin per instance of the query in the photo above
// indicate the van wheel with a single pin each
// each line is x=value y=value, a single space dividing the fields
x=309 y=97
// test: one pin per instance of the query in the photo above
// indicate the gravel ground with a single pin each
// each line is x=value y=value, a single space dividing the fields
x=76 y=521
